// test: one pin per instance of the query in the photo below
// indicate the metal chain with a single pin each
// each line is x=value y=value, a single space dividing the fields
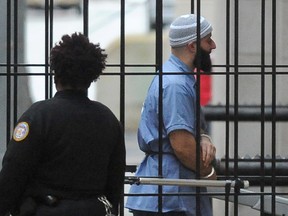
x=107 y=204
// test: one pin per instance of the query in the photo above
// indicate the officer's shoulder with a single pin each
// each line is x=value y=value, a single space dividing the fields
x=38 y=107
x=101 y=106
x=39 y=104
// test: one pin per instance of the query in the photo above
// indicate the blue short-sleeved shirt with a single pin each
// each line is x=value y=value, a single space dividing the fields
x=179 y=112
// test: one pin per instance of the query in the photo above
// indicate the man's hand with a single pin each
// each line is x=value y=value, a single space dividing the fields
x=184 y=146
x=208 y=150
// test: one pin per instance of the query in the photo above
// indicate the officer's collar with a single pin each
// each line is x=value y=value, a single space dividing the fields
x=72 y=92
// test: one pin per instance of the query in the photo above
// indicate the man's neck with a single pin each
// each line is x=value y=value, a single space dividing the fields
x=184 y=56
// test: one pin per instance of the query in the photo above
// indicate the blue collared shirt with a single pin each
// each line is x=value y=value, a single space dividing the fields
x=179 y=112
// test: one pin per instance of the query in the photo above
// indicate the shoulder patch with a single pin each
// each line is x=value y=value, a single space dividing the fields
x=21 y=131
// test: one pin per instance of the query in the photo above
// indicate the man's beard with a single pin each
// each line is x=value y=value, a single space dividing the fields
x=205 y=63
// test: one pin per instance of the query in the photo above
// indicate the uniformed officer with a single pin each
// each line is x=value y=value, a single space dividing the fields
x=67 y=153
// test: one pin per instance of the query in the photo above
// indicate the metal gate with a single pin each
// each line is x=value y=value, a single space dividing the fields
x=248 y=111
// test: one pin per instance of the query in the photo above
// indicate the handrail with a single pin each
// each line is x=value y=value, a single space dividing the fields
x=245 y=113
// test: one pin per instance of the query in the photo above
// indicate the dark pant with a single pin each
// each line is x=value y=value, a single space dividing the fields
x=145 y=213
x=88 y=207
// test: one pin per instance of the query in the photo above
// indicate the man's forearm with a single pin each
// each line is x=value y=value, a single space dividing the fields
x=184 y=146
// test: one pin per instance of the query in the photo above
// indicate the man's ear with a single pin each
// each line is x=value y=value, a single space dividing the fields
x=58 y=84
x=192 y=47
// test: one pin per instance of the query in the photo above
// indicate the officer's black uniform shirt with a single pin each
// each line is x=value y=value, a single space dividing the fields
x=67 y=146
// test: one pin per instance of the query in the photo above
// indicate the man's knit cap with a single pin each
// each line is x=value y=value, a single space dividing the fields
x=183 y=30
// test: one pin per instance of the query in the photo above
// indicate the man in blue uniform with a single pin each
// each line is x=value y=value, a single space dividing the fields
x=179 y=126
x=67 y=153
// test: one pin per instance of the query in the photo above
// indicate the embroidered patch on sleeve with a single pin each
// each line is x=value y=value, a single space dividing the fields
x=21 y=131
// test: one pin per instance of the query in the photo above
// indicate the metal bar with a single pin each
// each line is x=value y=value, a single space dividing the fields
x=198 y=124
x=15 y=68
x=249 y=169
x=263 y=117
x=85 y=17
x=8 y=68
x=47 y=36
x=50 y=78
x=245 y=113
x=273 y=132
x=236 y=97
x=227 y=111
x=159 y=54
x=122 y=78
x=192 y=182
x=122 y=63
x=253 y=167
x=192 y=7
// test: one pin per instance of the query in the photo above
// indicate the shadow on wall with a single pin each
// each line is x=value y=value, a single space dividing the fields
x=140 y=51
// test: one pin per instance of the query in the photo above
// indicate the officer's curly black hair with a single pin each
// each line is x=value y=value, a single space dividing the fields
x=76 y=61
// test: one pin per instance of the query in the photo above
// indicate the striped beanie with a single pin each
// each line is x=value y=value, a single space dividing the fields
x=183 y=30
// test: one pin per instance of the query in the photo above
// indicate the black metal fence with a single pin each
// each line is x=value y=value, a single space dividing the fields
x=249 y=107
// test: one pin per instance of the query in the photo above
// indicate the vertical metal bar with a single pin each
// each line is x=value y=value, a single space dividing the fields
x=262 y=133
x=198 y=91
x=236 y=86
x=273 y=132
x=159 y=29
x=85 y=17
x=15 y=60
x=122 y=63
x=192 y=6
x=122 y=77
x=8 y=67
x=50 y=78
x=227 y=131
x=198 y=125
x=85 y=20
x=47 y=5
